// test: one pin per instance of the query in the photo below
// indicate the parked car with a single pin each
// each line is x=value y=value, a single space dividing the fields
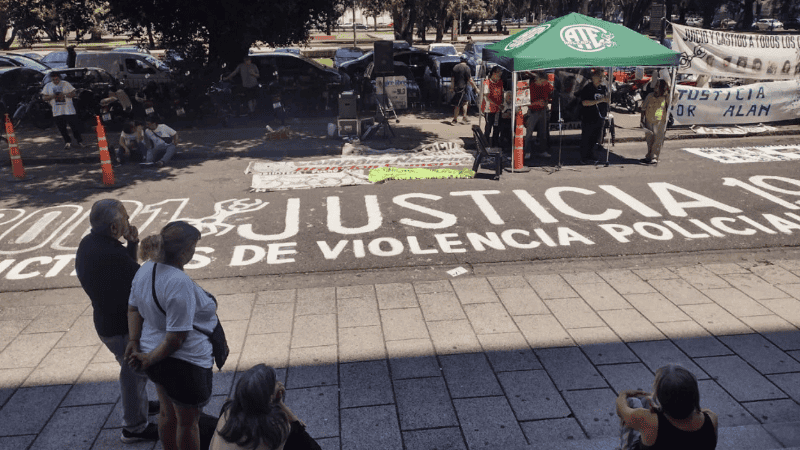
x=694 y=21
x=444 y=49
x=474 y=52
x=135 y=70
x=33 y=55
x=18 y=84
x=792 y=24
x=305 y=84
x=55 y=60
x=131 y=49
x=767 y=24
x=16 y=60
x=419 y=62
x=345 y=54
x=442 y=76
x=294 y=51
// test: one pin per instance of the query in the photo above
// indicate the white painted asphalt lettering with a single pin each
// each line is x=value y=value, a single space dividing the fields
x=534 y=206
x=545 y=238
x=756 y=224
x=508 y=237
x=706 y=228
x=358 y=248
x=760 y=192
x=279 y=253
x=631 y=202
x=240 y=255
x=783 y=225
x=479 y=197
x=566 y=236
x=761 y=180
x=291 y=225
x=678 y=209
x=4 y=237
x=618 y=232
x=491 y=239
x=664 y=234
x=395 y=247
x=332 y=253
x=61 y=262
x=374 y=217
x=446 y=219
x=413 y=245
x=16 y=273
x=553 y=195
x=447 y=245
x=5 y=264
x=721 y=223
x=199 y=260
x=684 y=232
x=37 y=228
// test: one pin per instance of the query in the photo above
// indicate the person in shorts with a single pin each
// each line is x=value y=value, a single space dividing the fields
x=166 y=311
x=462 y=87
x=249 y=73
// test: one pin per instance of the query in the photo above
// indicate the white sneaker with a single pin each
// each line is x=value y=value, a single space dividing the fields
x=67 y=146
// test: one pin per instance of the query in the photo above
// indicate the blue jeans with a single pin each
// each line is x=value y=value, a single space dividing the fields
x=132 y=386
x=537 y=121
x=165 y=151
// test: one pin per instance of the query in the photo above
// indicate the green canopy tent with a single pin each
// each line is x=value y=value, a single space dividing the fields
x=578 y=41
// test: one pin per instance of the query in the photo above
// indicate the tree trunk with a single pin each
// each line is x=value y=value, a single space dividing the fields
x=150 y=39
x=633 y=17
x=408 y=29
x=6 y=44
x=747 y=17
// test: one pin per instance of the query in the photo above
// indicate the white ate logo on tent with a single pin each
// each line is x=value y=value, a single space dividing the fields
x=587 y=38
x=527 y=36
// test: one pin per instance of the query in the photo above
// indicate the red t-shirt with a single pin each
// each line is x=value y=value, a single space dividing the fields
x=496 y=95
x=540 y=92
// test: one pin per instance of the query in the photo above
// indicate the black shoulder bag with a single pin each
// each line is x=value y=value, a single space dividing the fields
x=219 y=345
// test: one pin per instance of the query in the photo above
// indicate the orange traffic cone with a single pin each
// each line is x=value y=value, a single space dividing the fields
x=105 y=157
x=519 y=141
x=13 y=151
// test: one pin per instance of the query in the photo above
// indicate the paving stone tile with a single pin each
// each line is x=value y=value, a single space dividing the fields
x=453 y=336
x=787 y=308
x=508 y=282
x=785 y=340
x=601 y=296
x=693 y=339
x=659 y=273
x=271 y=318
x=312 y=301
x=774 y=274
x=73 y=427
x=312 y=366
x=725 y=268
x=763 y=355
x=630 y=325
x=581 y=278
x=27 y=350
x=595 y=410
x=81 y=333
x=780 y=332
x=623 y=377
x=361 y=344
x=400 y=324
x=318 y=408
x=61 y=366
x=745 y=438
x=439 y=438
x=103 y=355
x=413 y=358
x=269 y=349
x=314 y=331
x=365 y=384
x=793 y=289
x=9 y=313
x=656 y=354
x=543 y=331
x=754 y=286
x=489 y=318
x=223 y=381
x=100 y=373
x=533 y=395
x=573 y=313
x=235 y=332
x=440 y=306
x=16 y=442
x=488 y=423
x=331 y=443
x=432 y=287
x=736 y=302
x=235 y=307
x=278 y=296
x=602 y=346
x=738 y=378
x=715 y=319
x=358 y=312
x=508 y=351
x=602 y=443
x=356 y=291
x=552 y=430
x=730 y=412
x=794 y=354
x=625 y=281
x=474 y=290
x=10 y=380
x=656 y=308
x=700 y=277
x=424 y=403
x=789 y=383
x=9 y=329
x=370 y=428
x=569 y=368
x=791 y=265
x=774 y=411
x=787 y=434
x=55 y=318
x=550 y=286
x=679 y=292
x=522 y=301
x=469 y=375
x=29 y=409
x=396 y=295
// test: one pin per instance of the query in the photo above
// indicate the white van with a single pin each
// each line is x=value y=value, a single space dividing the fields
x=133 y=69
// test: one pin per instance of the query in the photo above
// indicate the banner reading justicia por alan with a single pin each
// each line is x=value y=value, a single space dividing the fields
x=741 y=55
x=753 y=103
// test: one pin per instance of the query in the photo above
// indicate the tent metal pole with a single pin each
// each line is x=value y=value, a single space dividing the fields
x=513 y=117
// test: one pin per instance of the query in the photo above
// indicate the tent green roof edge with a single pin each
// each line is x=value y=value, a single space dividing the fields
x=575 y=40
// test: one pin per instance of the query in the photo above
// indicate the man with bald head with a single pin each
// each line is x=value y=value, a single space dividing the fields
x=106 y=269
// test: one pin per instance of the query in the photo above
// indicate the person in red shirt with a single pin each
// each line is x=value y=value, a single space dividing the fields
x=495 y=103
x=541 y=94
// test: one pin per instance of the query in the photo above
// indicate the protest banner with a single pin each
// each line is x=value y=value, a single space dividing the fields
x=753 y=103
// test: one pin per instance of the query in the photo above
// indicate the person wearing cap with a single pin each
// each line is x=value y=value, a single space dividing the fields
x=595 y=100
x=541 y=95
x=60 y=94
x=105 y=269
x=460 y=84
x=166 y=311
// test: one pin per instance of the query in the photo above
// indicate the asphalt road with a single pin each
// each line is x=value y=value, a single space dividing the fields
x=687 y=203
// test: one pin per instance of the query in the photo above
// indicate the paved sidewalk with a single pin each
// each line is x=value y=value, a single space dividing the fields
x=509 y=356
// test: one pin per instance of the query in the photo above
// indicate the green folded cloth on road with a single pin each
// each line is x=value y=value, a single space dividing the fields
x=395 y=173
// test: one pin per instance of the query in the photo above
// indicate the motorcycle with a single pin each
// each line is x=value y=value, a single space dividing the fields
x=625 y=96
x=277 y=105
x=116 y=109
x=35 y=111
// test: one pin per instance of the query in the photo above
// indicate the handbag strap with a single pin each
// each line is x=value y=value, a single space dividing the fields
x=155 y=297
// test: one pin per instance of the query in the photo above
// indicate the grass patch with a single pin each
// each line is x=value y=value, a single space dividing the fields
x=55 y=45
x=325 y=61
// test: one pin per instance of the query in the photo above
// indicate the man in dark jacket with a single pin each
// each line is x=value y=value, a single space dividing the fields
x=105 y=269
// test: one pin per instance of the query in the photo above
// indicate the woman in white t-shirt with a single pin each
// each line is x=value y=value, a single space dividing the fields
x=165 y=310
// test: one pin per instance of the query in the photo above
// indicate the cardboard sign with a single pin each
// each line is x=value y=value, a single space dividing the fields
x=396 y=89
